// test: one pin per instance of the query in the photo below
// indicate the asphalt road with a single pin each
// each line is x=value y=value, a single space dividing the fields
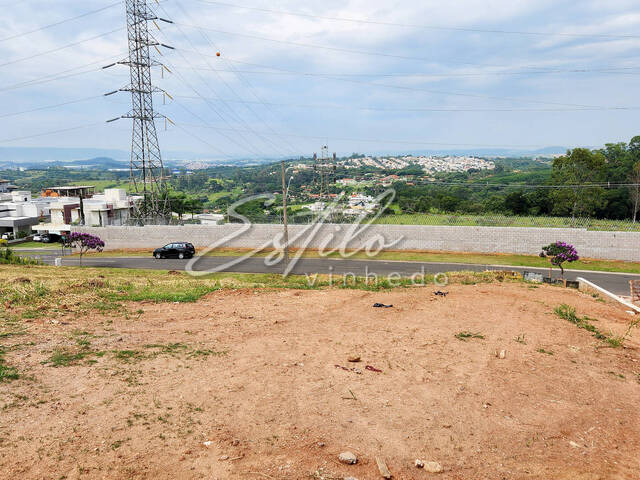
x=617 y=283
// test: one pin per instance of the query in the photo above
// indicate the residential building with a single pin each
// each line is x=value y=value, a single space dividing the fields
x=19 y=213
x=111 y=208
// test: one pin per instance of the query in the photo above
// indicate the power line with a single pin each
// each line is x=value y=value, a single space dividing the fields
x=336 y=49
x=426 y=27
x=61 y=22
x=378 y=140
x=611 y=70
x=237 y=117
x=37 y=109
x=53 y=50
x=426 y=109
x=59 y=75
x=442 y=92
x=50 y=132
x=261 y=119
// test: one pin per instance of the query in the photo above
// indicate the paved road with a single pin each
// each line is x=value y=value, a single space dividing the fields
x=615 y=282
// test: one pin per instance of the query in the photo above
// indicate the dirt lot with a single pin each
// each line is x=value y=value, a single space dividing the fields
x=248 y=384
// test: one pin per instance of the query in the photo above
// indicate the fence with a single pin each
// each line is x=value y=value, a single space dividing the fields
x=302 y=217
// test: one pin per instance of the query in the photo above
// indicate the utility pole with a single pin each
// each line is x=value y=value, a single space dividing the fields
x=284 y=215
x=146 y=170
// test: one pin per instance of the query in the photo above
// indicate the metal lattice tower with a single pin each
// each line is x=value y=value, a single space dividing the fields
x=325 y=167
x=146 y=168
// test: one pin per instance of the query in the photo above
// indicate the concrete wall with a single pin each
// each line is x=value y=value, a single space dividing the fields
x=604 y=245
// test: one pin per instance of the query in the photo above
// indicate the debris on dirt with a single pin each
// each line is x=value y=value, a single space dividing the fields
x=381 y=305
x=320 y=444
x=382 y=466
x=353 y=358
x=348 y=458
x=350 y=478
x=174 y=272
x=22 y=280
x=433 y=467
x=502 y=354
x=353 y=369
x=574 y=444
x=440 y=293
x=207 y=443
x=419 y=463
x=224 y=458
x=372 y=369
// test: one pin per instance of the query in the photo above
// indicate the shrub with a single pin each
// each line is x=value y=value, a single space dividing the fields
x=558 y=253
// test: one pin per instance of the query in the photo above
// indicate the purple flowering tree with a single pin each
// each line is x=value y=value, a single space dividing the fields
x=559 y=253
x=85 y=242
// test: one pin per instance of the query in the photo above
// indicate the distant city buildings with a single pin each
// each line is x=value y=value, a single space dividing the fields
x=430 y=164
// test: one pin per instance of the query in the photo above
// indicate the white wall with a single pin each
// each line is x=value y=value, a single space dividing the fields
x=605 y=245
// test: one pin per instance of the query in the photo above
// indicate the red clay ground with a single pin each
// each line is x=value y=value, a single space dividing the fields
x=254 y=376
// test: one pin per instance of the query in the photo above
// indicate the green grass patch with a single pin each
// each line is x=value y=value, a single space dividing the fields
x=65 y=358
x=7 y=373
x=569 y=313
x=464 y=336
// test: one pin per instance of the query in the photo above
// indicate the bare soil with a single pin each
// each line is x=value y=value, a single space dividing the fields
x=249 y=384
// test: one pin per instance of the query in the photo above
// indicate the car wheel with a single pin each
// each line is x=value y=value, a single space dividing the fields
x=158 y=256
x=181 y=256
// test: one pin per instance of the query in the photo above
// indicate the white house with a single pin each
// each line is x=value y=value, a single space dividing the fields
x=112 y=208
x=19 y=212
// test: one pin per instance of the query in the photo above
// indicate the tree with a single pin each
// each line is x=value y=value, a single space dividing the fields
x=572 y=172
x=517 y=202
x=85 y=242
x=634 y=190
x=558 y=253
x=178 y=203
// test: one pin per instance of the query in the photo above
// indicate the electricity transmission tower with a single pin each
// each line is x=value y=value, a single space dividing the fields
x=325 y=168
x=146 y=168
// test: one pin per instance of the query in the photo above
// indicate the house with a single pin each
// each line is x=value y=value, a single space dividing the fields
x=112 y=208
x=20 y=213
x=210 y=218
x=85 y=191
x=4 y=186
x=347 y=181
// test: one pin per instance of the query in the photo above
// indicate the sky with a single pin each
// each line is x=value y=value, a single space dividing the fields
x=357 y=75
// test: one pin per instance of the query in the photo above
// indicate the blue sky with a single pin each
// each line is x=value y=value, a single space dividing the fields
x=370 y=87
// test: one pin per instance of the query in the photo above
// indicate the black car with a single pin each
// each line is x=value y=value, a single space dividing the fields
x=50 y=238
x=175 y=250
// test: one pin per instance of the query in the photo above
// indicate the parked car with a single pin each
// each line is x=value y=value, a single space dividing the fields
x=175 y=250
x=50 y=238
x=7 y=236
x=37 y=237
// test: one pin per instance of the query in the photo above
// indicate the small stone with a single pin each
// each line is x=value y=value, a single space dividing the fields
x=419 y=463
x=574 y=444
x=502 y=354
x=320 y=444
x=382 y=467
x=235 y=442
x=432 y=467
x=224 y=457
x=353 y=358
x=348 y=458
x=207 y=443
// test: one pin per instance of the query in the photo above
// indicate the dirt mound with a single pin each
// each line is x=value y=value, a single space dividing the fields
x=487 y=381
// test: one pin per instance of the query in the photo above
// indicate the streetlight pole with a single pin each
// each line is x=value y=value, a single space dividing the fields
x=284 y=216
